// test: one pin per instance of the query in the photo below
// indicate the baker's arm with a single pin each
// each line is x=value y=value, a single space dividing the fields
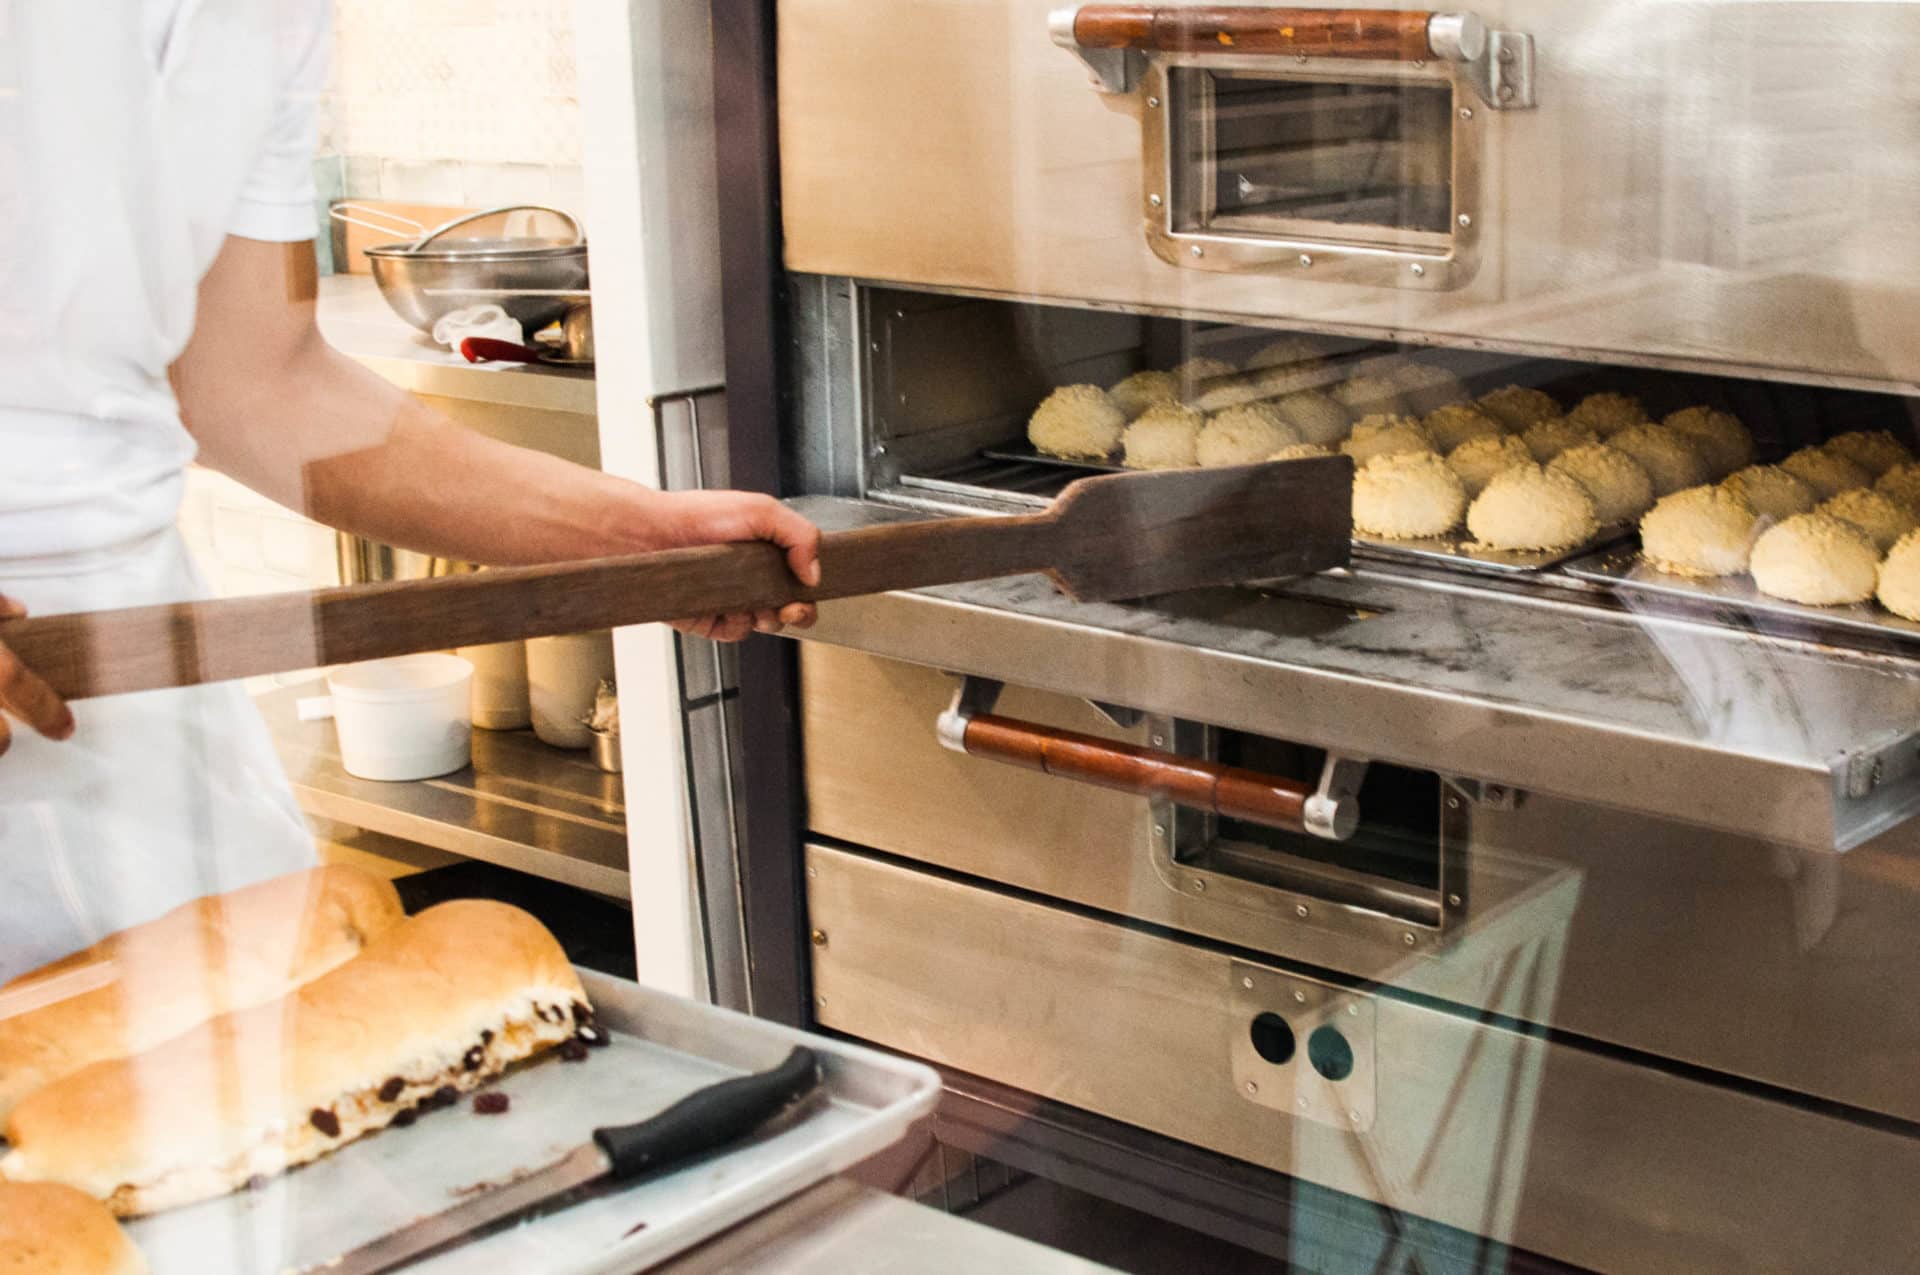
x=274 y=406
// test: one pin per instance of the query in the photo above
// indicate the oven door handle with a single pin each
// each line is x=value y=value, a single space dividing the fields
x=1374 y=35
x=1330 y=811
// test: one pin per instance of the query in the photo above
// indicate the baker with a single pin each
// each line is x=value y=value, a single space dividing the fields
x=157 y=287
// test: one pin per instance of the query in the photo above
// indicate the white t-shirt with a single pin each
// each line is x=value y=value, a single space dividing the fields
x=134 y=136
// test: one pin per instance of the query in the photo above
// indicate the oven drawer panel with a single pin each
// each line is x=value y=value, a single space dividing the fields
x=1706 y=948
x=1583 y=1156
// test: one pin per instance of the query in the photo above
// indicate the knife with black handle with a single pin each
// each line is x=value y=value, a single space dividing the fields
x=704 y=1120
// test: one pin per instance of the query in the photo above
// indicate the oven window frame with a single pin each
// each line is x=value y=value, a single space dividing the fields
x=1311 y=249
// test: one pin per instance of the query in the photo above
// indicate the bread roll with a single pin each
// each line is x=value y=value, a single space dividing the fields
x=220 y=953
x=47 y=1229
x=441 y=1002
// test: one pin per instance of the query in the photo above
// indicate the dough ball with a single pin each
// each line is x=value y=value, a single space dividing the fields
x=1528 y=508
x=1719 y=436
x=1478 y=459
x=1815 y=559
x=1076 y=422
x=1874 y=450
x=1316 y=417
x=1407 y=495
x=1827 y=474
x=1882 y=518
x=1702 y=531
x=1365 y=396
x=1772 y=491
x=1902 y=485
x=1244 y=435
x=1899 y=590
x=1198 y=370
x=1135 y=394
x=1620 y=488
x=1292 y=351
x=1670 y=459
x=1518 y=406
x=1237 y=390
x=1299 y=451
x=1548 y=438
x=1385 y=436
x=1455 y=423
x=1166 y=436
x=1607 y=413
x=1427 y=388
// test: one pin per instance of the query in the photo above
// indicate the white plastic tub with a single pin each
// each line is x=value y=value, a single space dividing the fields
x=410 y=717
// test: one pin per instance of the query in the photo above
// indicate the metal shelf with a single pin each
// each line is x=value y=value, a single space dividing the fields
x=522 y=804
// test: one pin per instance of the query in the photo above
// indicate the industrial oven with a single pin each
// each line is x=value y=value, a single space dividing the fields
x=1592 y=938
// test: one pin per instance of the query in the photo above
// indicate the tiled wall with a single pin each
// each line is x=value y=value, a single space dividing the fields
x=452 y=102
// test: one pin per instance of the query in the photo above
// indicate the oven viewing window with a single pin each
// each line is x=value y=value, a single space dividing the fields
x=1360 y=160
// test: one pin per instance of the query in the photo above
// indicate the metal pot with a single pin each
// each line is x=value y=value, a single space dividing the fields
x=432 y=275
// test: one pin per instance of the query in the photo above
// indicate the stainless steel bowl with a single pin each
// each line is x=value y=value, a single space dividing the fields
x=476 y=268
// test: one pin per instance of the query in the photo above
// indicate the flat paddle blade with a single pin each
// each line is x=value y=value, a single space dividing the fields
x=1134 y=535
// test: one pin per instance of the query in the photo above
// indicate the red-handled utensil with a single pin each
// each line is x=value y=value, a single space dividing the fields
x=487 y=349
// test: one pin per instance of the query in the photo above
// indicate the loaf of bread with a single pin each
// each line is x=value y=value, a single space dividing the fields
x=438 y=1005
x=147 y=984
x=46 y=1229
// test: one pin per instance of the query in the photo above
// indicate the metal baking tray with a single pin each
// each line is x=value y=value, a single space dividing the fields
x=663 y=1048
x=1628 y=573
x=1027 y=454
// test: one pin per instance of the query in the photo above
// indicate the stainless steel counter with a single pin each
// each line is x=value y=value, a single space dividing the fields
x=1762 y=736
x=842 y=1228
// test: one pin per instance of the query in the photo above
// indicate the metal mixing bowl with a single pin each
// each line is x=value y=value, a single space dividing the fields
x=481 y=267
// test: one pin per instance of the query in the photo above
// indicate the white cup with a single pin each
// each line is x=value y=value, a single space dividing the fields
x=404 y=718
x=499 y=685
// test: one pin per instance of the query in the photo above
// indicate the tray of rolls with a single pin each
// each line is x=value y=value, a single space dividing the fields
x=1513 y=480
x=270 y=1078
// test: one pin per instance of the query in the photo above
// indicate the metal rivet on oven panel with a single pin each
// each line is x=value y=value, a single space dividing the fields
x=1159 y=741
x=1506 y=53
x=812 y=872
x=879 y=449
x=820 y=1001
x=1418 y=63
x=1353 y=1011
x=1301 y=59
x=1199 y=886
x=1153 y=102
x=1506 y=92
x=1418 y=269
x=1305 y=261
x=1198 y=251
x=1466 y=112
x=1354 y=1116
x=1252 y=1088
x=1154 y=200
x=1453 y=803
x=819 y=938
x=1300 y=910
x=1299 y=998
x=1408 y=938
x=1465 y=220
x=1453 y=900
x=1246 y=981
x=1305 y=1105
x=1160 y=830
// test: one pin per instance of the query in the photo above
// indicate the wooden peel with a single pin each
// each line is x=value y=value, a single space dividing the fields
x=1119 y=536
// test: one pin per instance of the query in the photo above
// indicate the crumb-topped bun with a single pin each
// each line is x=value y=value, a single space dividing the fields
x=1671 y=459
x=1719 y=436
x=1244 y=435
x=1197 y=371
x=1620 y=488
x=1167 y=436
x=1366 y=395
x=1899 y=588
x=440 y=1003
x=1076 y=422
x=1291 y=351
x=1455 y=423
x=1772 y=491
x=1874 y=450
x=1407 y=495
x=48 y=1229
x=1826 y=473
x=1528 y=508
x=1815 y=559
x=1134 y=394
x=1478 y=459
x=1701 y=531
x=204 y=958
x=1385 y=435
x=1884 y=520
x=1426 y=388
x=1901 y=484
x=1518 y=406
x=1299 y=451
x=1316 y=417
x=1607 y=413
x=1548 y=438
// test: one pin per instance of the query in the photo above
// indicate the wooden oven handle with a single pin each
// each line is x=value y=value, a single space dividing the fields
x=1226 y=790
x=1381 y=35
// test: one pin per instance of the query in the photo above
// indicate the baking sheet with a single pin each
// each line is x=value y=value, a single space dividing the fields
x=1027 y=454
x=1624 y=569
x=663 y=1049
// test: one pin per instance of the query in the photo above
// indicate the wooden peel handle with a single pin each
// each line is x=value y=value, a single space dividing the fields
x=1385 y=35
x=1227 y=791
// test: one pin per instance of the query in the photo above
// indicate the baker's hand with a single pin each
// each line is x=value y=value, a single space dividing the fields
x=688 y=518
x=24 y=695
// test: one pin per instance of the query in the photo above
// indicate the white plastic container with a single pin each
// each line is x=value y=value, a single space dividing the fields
x=563 y=673
x=404 y=718
x=499 y=685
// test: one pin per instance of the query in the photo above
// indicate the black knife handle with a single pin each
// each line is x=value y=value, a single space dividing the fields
x=710 y=1117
